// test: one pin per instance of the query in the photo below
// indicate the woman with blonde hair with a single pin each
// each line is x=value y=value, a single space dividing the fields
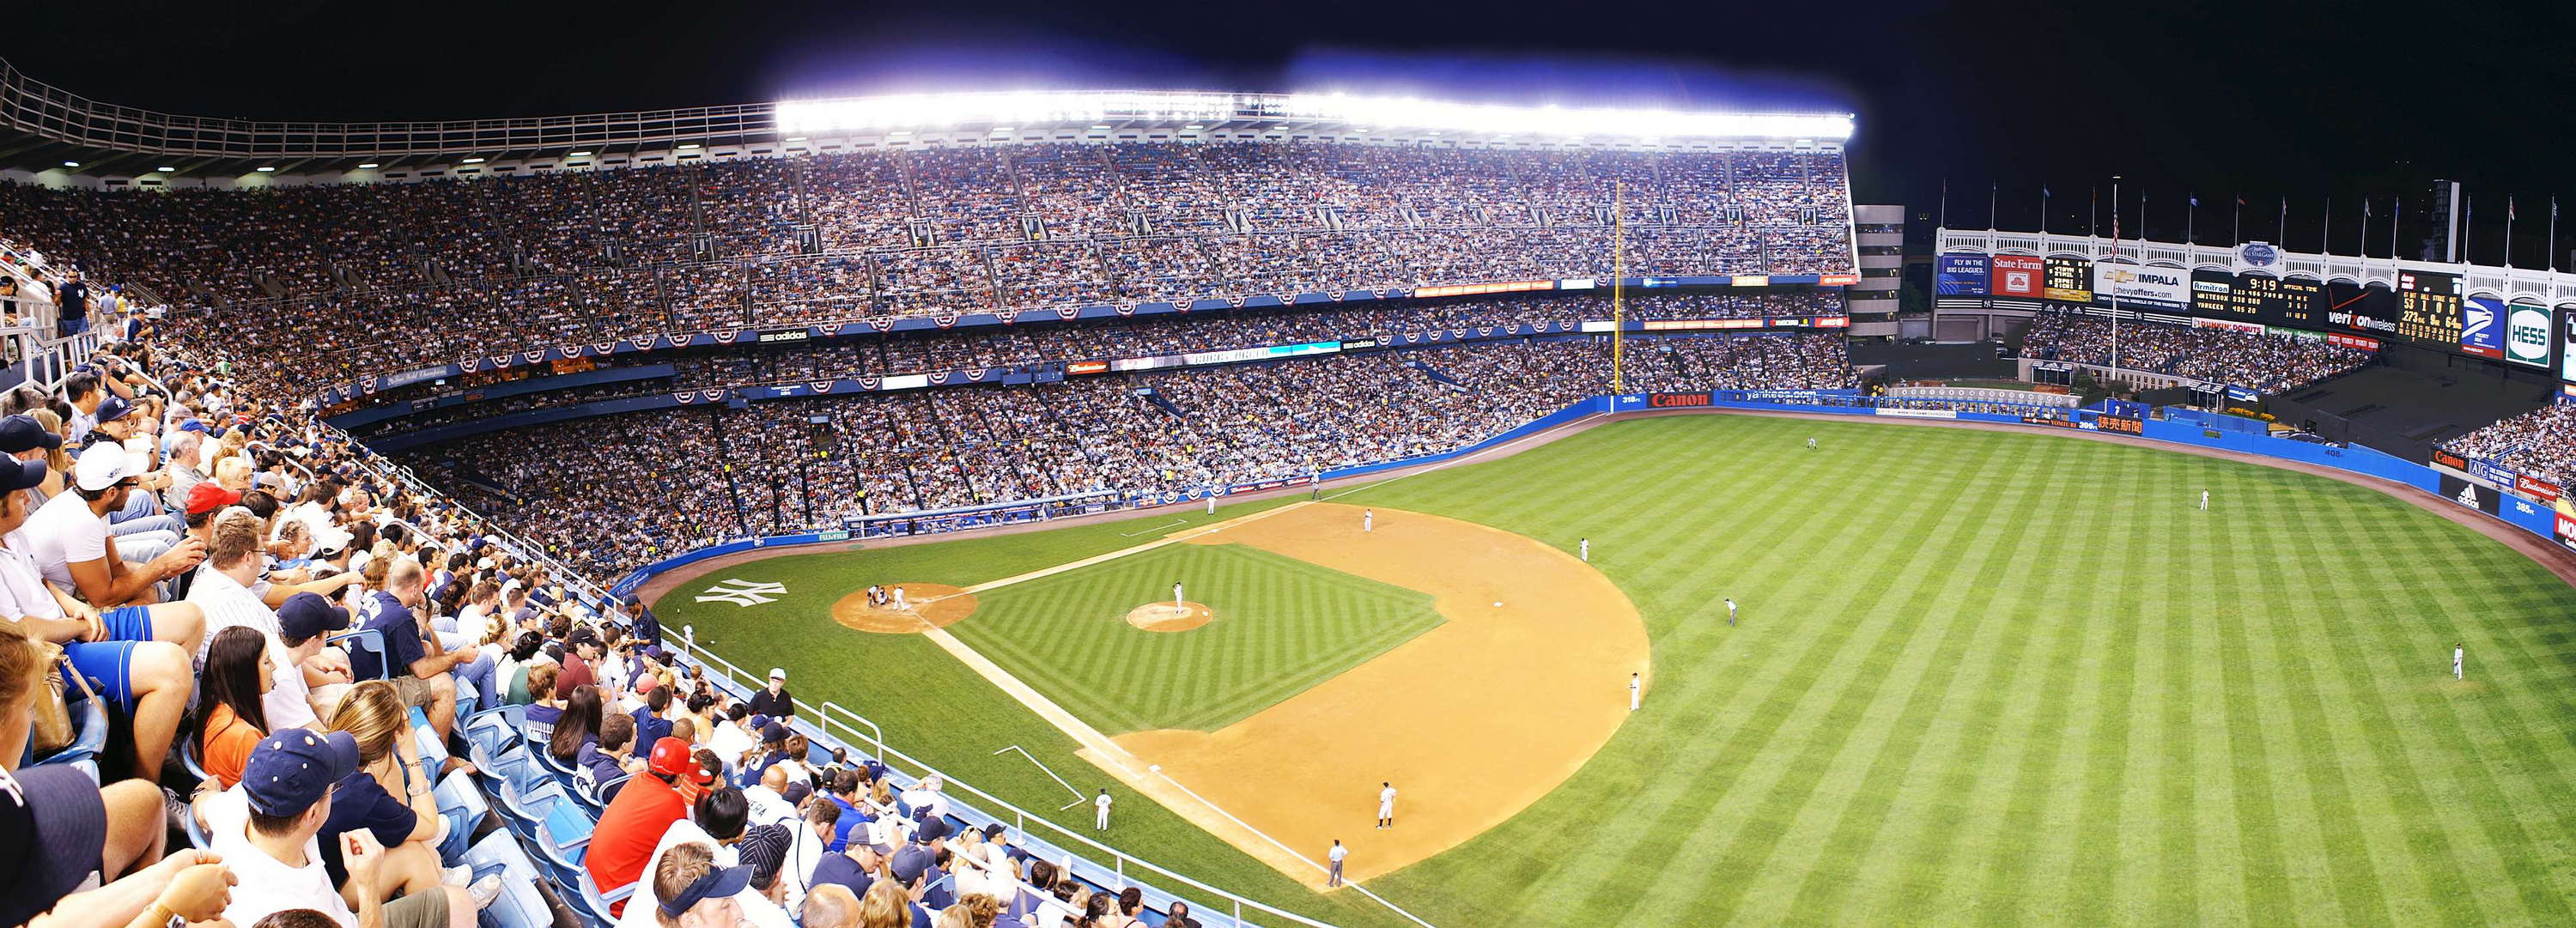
x=389 y=794
x=972 y=910
x=886 y=905
x=58 y=461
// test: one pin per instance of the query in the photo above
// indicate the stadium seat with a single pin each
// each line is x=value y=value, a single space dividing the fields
x=522 y=904
x=369 y=640
x=89 y=737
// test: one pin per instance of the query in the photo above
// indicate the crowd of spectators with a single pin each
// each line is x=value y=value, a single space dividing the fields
x=395 y=275
x=2541 y=443
x=1139 y=435
x=2262 y=362
x=188 y=731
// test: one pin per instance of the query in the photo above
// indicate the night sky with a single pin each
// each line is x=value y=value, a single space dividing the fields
x=2334 y=100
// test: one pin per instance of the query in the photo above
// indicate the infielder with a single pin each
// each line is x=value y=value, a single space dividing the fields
x=1386 y=805
x=2459 y=661
x=1100 y=819
x=1368 y=520
x=1635 y=681
x=1730 y=611
x=2204 y=500
x=1586 y=550
x=1335 y=855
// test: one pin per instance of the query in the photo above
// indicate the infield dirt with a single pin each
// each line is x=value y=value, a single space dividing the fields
x=1472 y=721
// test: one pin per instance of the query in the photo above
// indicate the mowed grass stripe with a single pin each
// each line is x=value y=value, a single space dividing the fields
x=2447 y=730
x=1794 y=763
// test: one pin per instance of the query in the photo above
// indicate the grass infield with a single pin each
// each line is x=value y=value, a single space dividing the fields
x=1982 y=679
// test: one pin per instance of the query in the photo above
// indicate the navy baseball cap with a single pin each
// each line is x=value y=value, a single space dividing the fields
x=193 y=425
x=53 y=830
x=292 y=770
x=22 y=433
x=114 y=407
x=909 y=862
x=305 y=615
x=716 y=884
x=16 y=475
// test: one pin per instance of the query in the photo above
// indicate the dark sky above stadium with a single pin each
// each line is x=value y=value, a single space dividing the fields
x=2194 y=97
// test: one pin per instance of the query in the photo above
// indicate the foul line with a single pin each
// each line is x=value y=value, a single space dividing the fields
x=1059 y=781
x=1354 y=885
x=1153 y=528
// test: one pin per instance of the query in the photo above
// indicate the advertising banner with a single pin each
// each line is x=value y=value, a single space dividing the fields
x=2567 y=343
x=2452 y=461
x=2482 y=327
x=2567 y=531
x=2125 y=425
x=2469 y=494
x=2491 y=472
x=2165 y=287
x=1918 y=413
x=2537 y=488
x=2019 y=276
x=2526 y=335
x=1671 y=400
x=1961 y=275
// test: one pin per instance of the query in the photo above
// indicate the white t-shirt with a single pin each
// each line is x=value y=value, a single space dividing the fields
x=265 y=885
x=729 y=741
x=63 y=531
x=1337 y=853
x=288 y=703
x=22 y=588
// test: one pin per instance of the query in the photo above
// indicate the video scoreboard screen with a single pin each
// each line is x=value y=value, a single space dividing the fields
x=2068 y=280
x=2428 y=308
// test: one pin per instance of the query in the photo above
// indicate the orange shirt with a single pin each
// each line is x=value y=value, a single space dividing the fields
x=226 y=748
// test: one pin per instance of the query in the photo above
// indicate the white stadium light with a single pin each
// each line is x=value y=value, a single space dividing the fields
x=369 y=166
x=579 y=154
x=684 y=146
x=264 y=169
x=1099 y=109
x=167 y=170
x=474 y=161
x=71 y=164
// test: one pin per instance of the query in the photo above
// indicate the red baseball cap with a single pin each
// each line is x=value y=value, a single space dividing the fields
x=208 y=496
x=672 y=758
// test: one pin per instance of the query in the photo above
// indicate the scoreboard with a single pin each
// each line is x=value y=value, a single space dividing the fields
x=2268 y=300
x=2428 y=309
x=2068 y=280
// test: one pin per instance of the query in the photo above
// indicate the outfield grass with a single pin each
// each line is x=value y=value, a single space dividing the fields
x=1982 y=679
x=1282 y=625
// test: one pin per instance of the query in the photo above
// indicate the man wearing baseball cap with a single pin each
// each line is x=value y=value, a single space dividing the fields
x=24 y=438
x=634 y=821
x=150 y=680
x=265 y=830
x=70 y=538
x=774 y=701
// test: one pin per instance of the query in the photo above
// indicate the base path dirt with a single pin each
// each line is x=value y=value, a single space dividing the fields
x=1472 y=721
x=1165 y=617
x=931 y=605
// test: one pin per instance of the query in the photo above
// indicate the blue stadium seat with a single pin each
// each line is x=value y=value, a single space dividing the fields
x=522 y=904
x=594 y=904
x=369 y=640
x=560 y=853
x=89 y=737
x=462 y=802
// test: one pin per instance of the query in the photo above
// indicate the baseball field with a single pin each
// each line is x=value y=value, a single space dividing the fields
x=1980 y=678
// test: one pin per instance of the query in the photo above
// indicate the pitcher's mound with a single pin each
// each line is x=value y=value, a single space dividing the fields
x=933 y=605
x=1167 y=617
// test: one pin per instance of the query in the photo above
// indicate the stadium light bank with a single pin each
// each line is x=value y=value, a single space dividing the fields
x=1023 y=108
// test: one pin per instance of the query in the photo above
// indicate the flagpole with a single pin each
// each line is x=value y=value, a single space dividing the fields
x=2115 y=260
x=1993 y=190
x=2396 y=214
x=2326 y=241
x=2281 y=232
x=1945 y=202
x=2508 y=230
x=2237 y=235
x=2188 y=217
x=2093 y=217
x=2468 y=224
x=2043 y=209
x=2552 y=255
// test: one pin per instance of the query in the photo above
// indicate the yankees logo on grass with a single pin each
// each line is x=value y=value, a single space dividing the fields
x=743 y=592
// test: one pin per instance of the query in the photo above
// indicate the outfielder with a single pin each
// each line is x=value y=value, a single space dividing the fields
x=1634 y=694
x=2459 y=661
x=1811 y=443
x=1586 y=550
x=2204 y=500
x=1730 y=612
x=1100 y=819
x=1386 y=805
x=1368 y=520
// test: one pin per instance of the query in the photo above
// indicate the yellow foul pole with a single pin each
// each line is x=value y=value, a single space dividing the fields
x=1618 y=285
